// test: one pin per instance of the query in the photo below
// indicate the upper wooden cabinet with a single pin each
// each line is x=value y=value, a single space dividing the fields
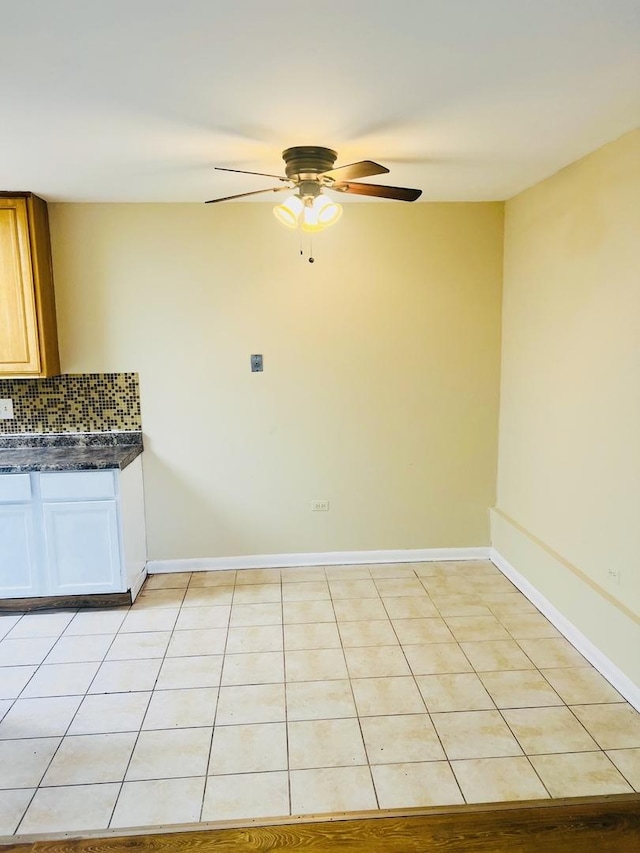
x=28 y=333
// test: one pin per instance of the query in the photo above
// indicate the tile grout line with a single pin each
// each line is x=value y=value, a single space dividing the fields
x=524 y=752
x=537 y=670
x=151 y=692
x=513 y=734
x=37 y=666
x=478 y=675
x=417 y=686
x=353 y=695
x=215 y=713
x=626 y=778
x=286 y=695
x=38 y=787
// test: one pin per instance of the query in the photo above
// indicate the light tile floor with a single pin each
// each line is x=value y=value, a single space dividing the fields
x=273 y=692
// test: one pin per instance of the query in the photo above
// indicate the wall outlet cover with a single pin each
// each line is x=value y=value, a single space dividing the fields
x=6 y=408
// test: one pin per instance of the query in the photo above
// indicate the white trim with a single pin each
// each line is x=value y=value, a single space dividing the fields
x=326 y=558
x=592 y=653
x=136 y=584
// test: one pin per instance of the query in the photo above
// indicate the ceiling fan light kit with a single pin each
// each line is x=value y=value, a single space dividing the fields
x=308 y=213
x=309 y=172
x=288 y=212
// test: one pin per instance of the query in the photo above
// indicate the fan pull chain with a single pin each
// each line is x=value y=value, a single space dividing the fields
x=311 y=259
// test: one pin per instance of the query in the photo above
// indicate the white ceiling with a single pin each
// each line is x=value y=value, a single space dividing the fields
x=137 y=100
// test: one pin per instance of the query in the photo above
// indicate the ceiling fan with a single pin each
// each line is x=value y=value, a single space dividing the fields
x=309 y=172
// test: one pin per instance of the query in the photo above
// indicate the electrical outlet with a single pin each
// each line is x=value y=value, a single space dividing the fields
x=6 y=409
x=614 y=575
x=320 y=506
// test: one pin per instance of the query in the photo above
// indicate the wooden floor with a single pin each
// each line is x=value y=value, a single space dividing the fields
x=595 y=824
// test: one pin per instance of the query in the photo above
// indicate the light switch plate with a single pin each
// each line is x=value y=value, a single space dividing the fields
x=6 y=408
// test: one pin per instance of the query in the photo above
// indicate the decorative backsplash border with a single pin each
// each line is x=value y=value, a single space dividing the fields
x=88 y=402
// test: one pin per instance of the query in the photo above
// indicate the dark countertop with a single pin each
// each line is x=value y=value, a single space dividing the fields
x=69 y=452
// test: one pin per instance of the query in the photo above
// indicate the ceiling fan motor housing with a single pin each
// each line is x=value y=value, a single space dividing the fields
x=305 y=162
x=310 y=168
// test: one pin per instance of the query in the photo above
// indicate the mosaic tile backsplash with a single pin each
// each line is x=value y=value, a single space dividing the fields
x=88 y=402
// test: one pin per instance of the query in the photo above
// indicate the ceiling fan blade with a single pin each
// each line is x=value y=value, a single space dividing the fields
x=242 y=195
x=379 y=191
x=362 y=169
x=244 y=172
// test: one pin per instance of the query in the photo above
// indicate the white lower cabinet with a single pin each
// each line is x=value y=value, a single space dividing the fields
x=19 y=575
x=72 y=533
x=82 y=548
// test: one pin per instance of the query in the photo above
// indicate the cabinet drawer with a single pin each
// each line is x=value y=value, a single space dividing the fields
x=77 y=485
x=15 y=487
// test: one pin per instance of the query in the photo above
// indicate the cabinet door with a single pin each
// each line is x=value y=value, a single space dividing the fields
x=18 y=553
x=82 y=547
x=28 y=332
x=19 y=350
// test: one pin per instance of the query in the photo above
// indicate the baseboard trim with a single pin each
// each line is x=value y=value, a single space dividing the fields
x=591 y=652
x=323 y=558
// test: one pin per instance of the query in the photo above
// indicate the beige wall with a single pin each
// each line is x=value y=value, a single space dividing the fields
x=380 y=388
x=569 y=456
